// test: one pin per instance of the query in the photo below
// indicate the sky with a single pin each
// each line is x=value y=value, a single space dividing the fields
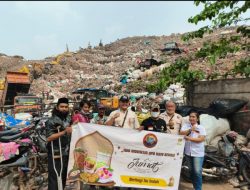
x=36 y=30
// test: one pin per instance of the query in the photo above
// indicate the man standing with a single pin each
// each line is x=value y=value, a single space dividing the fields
x=100 y=118
x=58 y=126
x=123 y=117
x=172 y=119
x=154 y=123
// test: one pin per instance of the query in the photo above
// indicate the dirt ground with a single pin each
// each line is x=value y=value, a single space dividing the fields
x=208 y=186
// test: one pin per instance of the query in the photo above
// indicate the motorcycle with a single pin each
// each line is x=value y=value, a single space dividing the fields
x=27 y=163
x=224 y=162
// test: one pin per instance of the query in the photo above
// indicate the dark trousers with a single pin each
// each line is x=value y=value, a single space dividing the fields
x=52 y=178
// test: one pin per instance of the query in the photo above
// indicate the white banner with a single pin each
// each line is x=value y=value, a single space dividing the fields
x=111 y=156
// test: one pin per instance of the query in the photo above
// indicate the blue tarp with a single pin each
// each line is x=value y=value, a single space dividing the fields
x=11 y=121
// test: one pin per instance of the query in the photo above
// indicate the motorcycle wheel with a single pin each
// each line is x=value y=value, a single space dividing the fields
x=246 y=172
x=185 y=173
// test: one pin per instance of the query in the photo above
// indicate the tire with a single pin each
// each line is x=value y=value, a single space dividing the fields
x=246 y=172
x=185 y=172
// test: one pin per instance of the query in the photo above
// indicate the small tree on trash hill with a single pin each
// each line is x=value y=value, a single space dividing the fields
x=222 y=14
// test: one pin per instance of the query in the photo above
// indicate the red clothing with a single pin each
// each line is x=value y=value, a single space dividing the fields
x=80 y=118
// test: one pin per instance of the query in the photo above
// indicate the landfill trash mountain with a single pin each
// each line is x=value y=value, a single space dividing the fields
x=104 y=66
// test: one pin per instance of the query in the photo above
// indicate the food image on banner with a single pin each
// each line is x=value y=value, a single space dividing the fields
x=112 y=156
x=92 y=159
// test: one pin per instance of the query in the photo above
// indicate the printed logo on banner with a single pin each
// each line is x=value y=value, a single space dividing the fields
x=150 y=140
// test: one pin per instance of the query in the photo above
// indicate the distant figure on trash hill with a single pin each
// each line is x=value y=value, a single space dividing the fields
x=123 y=117
x=84 y=115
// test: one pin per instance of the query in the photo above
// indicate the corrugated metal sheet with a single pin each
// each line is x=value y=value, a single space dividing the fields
x=17 y=77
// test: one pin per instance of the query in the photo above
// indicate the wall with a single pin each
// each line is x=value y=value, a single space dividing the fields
x=202 y=93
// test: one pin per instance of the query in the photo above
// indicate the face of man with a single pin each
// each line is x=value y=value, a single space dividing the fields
x=170 y=107
x=101 y=111
x=63 y=109
x=124 y=105
x=155 y=113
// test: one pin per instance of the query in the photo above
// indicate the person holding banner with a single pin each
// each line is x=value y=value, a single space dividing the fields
x=154 y=123
x=123 y=117
x=58 y=130
x=194 y=147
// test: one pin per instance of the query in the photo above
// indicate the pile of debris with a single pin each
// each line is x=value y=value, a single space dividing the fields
x=112 y=65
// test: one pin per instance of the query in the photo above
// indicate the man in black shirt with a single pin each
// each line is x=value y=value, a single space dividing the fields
x=58 y=126
x=154 y=123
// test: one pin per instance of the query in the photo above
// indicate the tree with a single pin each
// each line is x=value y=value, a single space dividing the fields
x=217 y=13
x=222 y=14
x=219 y=17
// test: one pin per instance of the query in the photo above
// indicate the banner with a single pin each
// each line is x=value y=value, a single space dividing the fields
x=112 y=156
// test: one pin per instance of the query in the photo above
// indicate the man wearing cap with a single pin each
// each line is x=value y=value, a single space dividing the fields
x=123 y=117
x=58 y=126
x=173 y=120
x=100 y=118
x=154 y=123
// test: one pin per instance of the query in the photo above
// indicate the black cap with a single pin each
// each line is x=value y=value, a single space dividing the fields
x=101 y=106
x=63 y=100
x=124 y=98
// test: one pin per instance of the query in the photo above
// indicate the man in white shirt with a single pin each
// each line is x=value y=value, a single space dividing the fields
x=123 y=117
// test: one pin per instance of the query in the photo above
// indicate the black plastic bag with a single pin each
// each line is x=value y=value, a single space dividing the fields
x=226 y=107
x=185 y=110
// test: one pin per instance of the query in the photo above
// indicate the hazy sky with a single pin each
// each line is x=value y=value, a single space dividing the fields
x=37 y=30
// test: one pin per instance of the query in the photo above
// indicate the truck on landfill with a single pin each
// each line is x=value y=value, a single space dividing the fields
x=147 y=63
x=17 y=83
x=27 y=103
x=172 y=47
x=97 y=96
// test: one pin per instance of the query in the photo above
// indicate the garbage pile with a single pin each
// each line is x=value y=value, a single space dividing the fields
x=217 y=119
x=106 y=66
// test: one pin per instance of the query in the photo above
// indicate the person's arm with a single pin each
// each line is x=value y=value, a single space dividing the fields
x=137 y=125
x=75 y=118
x=165 y=126
x=199 y=139
x=185 y=130
x=56 y=136
x=52 y=133
x=111 y=119
x=110 y=122
x=140 y=128
x=143 y=124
